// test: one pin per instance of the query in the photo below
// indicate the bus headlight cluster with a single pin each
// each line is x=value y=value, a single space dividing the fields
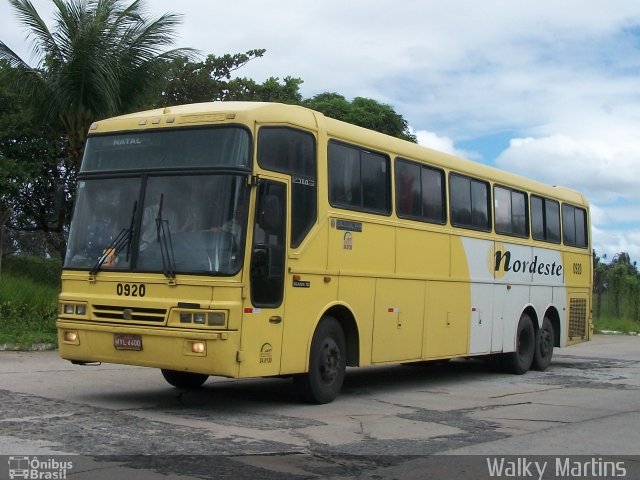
x=79 y=309
x=210 y=319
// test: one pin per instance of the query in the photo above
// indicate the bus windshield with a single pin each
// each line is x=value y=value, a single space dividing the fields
x=160 y=223
x=168 y=148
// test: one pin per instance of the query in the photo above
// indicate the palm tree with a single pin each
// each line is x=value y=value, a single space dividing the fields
x=99 y=60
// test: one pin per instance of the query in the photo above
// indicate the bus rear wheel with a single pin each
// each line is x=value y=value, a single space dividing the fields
x=520 y=361
x=327 y=364
x=186 y=380
x=545 y=339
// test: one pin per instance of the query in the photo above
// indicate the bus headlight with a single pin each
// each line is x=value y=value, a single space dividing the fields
x=200 y=318
x=216 y=319
x=79 y=309
x=71 y=336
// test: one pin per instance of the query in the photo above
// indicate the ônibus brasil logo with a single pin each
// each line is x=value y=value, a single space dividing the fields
x=38 y=469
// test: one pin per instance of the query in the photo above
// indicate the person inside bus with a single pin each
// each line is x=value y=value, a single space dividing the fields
x=149 y=231
x=235 y=225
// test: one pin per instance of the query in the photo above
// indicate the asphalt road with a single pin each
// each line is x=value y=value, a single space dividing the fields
x=389 y=421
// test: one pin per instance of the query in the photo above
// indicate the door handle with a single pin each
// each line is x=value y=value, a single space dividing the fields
x=275 y=319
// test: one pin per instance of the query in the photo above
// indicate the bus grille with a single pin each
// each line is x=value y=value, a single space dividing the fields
x=138 y=314
x=577 y=317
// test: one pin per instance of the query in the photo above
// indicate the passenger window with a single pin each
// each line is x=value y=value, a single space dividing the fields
x=510 y=212
x=469 y=202
x=358 y=179
x=574 y=226
x=419 y=192
x=545 y=219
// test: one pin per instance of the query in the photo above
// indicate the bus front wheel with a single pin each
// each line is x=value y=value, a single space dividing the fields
x=519 y=362
x=186 y=380
x=327 y=364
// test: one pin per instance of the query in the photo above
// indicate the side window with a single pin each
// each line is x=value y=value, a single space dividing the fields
x=358 y=179
x=510 y=212
x=574 y=226
x=293 y=152
x=419 y=192
x=545 y=219
x=268 y=249
x=469 y=203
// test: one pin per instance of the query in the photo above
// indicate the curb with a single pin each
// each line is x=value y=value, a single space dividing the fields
x=36 y=347
x=616 y=332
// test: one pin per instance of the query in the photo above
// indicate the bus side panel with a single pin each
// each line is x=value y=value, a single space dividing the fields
x=358 y=294
x=578 y=278
x=447 y=319
x=422 y=254
x=399 y=320
x=483 y=321
x=305 y=304
x=448 y=309
x=369 y=252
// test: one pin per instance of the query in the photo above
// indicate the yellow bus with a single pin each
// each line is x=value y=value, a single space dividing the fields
x=259 y=239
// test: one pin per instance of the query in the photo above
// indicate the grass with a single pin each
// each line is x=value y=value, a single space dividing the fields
x=625 y=325
x=28 y=310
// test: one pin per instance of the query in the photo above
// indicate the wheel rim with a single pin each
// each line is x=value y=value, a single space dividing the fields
x=545 y=343
x=329 y=361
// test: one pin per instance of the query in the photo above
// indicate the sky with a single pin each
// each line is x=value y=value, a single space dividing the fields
x=548 y=89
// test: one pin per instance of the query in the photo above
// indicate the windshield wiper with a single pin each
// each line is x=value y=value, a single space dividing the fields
x=163 y=235
x=123 y=239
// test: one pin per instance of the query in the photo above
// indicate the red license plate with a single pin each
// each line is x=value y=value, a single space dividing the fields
x=127 y=342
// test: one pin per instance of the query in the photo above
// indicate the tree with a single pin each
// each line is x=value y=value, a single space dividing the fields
x=33 y=175
x=622 y=283
x=189 y=81
x=100 y=60
x=365 y=112
x=600 y=270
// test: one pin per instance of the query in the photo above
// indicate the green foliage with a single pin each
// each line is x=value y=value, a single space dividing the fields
x=616 y=289
x=365 y=112
x=28 y=310
x=45 y=272
x=193 y=82
x=32 y=168
x=612 y=324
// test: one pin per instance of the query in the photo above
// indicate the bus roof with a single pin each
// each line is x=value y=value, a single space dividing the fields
x=266 y=112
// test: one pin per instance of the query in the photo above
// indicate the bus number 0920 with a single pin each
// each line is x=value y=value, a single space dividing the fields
x=131 y=289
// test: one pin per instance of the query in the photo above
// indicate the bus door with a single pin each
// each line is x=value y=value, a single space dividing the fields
x=263 y=316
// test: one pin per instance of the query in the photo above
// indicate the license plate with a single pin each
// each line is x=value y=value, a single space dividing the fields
x=128 y=342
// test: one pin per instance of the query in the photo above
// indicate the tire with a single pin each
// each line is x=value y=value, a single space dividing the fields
x=327 y=364
x=520 y=361
x=545 y=339
x=186 y=380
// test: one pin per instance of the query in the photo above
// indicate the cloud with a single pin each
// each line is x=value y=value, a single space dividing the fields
x=612 y=242
x=442 y=144
x=598 y=167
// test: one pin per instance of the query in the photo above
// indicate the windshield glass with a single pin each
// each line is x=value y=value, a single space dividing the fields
x=170 y=224
x=166 y=148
